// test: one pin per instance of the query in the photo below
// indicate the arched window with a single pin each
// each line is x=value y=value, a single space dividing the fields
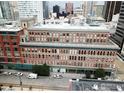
x=85 y=52
x=108 y=53
x=101 y=53
x=98 y=53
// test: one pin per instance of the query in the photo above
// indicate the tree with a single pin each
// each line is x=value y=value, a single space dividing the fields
x=1 y=67
x=42 y=70
x=10 y=66
x=100 y=73
x=88 y=74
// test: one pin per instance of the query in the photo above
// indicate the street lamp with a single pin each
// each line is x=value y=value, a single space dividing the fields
x=20 y=82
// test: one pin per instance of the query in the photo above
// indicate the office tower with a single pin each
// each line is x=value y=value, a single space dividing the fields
x=6 y=10
x=78 y=11
x=85 y=8
x=111 y=8
x=69 y=8
x=30 y=9
x=56 y=9
x=118 y=37
x=1 y=15
x=15 y=11
x=98 y=8
x=88 y=7
x=45 y=10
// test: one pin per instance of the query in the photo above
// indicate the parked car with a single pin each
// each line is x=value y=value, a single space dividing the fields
x=32 y=76
x=7 y=73
x=19 y=74
x=57 y=76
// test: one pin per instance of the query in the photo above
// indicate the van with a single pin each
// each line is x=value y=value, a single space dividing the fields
x=32 y=76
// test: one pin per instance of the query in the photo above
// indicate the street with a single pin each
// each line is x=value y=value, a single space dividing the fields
x=41 y=81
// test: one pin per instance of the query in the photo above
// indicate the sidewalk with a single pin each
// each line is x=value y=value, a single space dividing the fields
x=120 y=69
x=6 y=88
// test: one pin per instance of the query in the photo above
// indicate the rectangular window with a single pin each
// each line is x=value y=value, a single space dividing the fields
x=15 y=49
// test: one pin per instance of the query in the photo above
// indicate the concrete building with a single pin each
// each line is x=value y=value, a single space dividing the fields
x=15 y=11
x=122 y=53
x=118 y=37
x=27 y=22
x=9 y=44
x=6 y=10
x=95 y=85
x=111 y=8
x=1 y=15
x=69 y=8
x=56 y=9
x=69 y=48
x=30 y=9
x=45 y=10
x=98 y=9
x=78 y=11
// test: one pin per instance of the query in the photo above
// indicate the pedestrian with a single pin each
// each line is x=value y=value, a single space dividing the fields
x=1 y=87
x=10 y=87
x=30 y=88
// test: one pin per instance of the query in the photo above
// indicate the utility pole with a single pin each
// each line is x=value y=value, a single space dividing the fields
x=20 y=82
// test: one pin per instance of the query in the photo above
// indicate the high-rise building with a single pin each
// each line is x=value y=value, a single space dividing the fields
x=88 y=8
x=111 y=8
x=69 y=8
x=56 y=9
x=6 y=10
x=15 y=12
x=98 y=8
x=45 y=10
x=30 y=9
x=1 y=15
x=118 y=37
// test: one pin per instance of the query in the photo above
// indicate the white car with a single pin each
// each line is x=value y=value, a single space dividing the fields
x=32 y=76
x=19 y=74
x=7 y=73
x=57 y=76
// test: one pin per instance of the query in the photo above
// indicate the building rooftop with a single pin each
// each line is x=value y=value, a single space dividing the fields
x=27 y=18
x=110 y=45
x=96 y=85
x=69 y=27
x=10 y=28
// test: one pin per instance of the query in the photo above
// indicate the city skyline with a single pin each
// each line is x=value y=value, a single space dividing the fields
x=62 y=45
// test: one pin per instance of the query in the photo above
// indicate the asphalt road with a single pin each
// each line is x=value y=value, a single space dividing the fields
x=41 y=81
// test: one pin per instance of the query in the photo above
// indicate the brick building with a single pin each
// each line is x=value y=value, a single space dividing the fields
x=69 y=48
x=9 y=44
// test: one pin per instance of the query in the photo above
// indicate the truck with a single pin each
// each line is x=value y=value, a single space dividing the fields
x=32 y=76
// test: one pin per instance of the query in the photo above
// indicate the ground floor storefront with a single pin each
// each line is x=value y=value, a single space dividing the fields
x=56 y=69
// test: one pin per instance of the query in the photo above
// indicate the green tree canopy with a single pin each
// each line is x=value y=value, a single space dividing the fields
x=1 y=66
x=41 y=70
x=100 y=73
